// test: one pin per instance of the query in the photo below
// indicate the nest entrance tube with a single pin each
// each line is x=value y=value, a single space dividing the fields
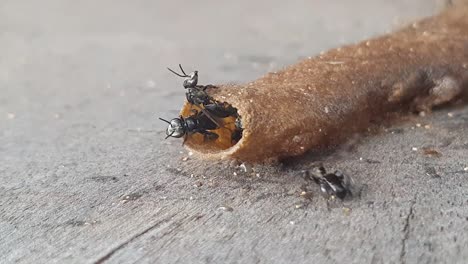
x=229 y=131
x=321 y=101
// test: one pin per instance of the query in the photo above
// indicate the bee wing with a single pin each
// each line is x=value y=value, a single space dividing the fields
x=219 y=122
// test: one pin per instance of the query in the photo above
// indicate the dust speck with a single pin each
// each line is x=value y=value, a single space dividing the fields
x=299 y=205
x=347 y=211
x=131 y=197
x=432 y=152
x=226 y=208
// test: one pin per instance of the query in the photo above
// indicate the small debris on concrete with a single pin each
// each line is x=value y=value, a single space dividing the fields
x=346 y=210
x=198 y=184
x=396 y=131
x=226 y=208
x=299 y=205
x=414 y=149
x=80 y=223
x=450 y=114
x=306 y=195
x=185 y=159
x=432 y=152
x=131 y=197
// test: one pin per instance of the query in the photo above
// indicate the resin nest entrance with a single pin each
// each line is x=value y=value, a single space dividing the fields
x=225 y=117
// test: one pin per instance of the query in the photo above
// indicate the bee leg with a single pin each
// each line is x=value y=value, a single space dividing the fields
x=204 y=87
x=306 y=175
x=185 y=139
x=318 y=180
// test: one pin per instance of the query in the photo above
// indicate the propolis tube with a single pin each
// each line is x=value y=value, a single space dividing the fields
x=322 y=100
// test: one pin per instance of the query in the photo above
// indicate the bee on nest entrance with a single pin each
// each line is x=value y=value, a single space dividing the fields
x=205 y=121
x=227 y=125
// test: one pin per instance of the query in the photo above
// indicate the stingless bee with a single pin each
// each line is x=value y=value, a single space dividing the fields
x=331 y=184
x=209 y=113
x=196 y=123
x=196 y=95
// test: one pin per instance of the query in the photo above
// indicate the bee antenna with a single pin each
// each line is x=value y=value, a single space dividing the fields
x=169 y=135
x=183 y=76
x=180 y=66
x=164 y=120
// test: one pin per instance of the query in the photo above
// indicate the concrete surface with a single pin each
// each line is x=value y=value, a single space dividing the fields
x=86 y=177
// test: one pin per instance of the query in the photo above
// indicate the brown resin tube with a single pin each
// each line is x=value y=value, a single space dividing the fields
x=323 y=100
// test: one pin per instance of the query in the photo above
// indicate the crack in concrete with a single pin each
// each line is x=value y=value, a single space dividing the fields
x=406 y=231
x=122 y=245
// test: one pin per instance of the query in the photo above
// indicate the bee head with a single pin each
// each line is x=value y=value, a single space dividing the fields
x=175 y=128
x=193 y=75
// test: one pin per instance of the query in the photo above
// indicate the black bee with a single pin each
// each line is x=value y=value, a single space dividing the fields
x=221 y=110
x=196 y=123
x=196 y=95
x=331 y=184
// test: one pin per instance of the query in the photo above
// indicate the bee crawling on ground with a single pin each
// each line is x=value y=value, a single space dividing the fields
x=331 y=184
x=196 y=123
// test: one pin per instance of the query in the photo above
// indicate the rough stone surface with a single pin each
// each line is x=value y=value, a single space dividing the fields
x=86 y=177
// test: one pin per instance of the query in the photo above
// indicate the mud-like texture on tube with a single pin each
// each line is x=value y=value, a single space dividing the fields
x=321 y=101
